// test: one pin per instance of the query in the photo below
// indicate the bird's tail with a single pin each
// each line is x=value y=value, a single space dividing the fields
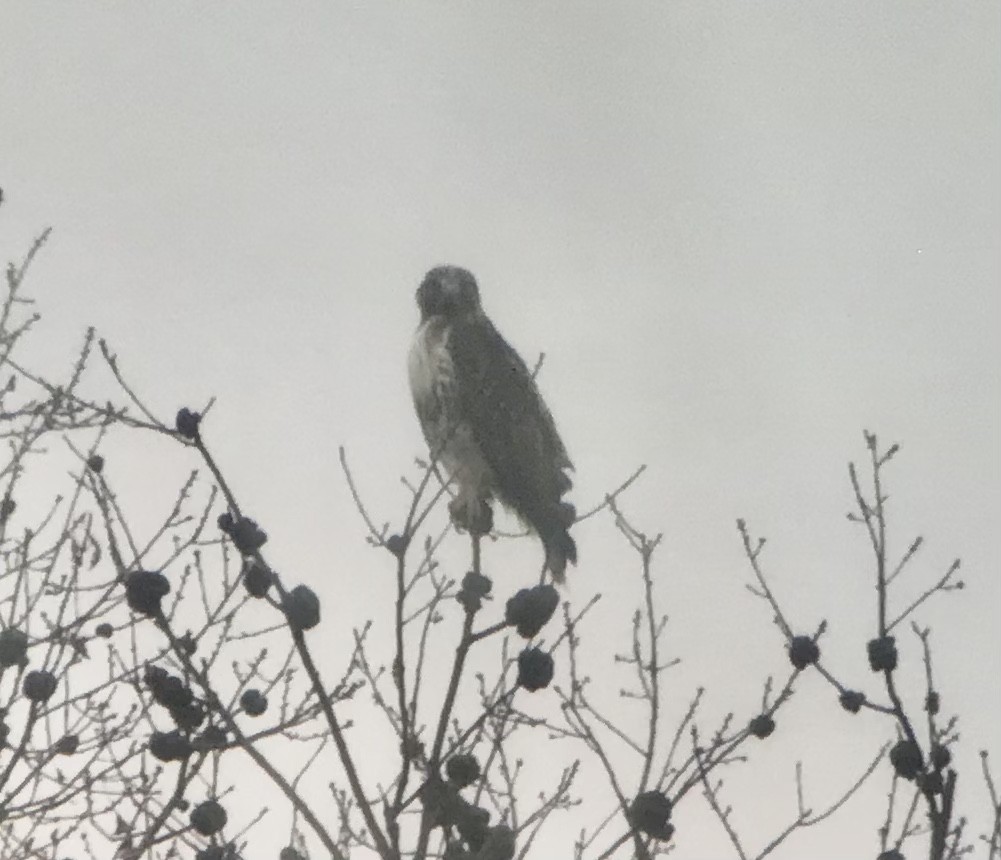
x=560 y=547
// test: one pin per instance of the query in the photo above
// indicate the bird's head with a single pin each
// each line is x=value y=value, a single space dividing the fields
x=448 y=291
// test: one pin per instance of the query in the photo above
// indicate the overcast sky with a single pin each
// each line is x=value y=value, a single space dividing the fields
x=741 y=232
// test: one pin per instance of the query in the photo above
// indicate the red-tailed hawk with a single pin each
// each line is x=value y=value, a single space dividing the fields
x=484 y=419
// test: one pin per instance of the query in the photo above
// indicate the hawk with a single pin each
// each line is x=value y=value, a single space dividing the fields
x=484 y=418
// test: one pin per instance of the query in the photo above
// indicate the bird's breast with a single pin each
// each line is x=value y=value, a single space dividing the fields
x=429 y=363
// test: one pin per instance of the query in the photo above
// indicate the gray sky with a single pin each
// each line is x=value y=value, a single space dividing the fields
x=742 y=232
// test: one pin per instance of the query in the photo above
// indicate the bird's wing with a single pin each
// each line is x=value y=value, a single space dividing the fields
x=509 y=421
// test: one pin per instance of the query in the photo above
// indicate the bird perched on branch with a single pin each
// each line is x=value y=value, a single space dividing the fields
x=484 y=418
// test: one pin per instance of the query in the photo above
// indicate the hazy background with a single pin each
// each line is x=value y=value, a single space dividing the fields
x=742 y=232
